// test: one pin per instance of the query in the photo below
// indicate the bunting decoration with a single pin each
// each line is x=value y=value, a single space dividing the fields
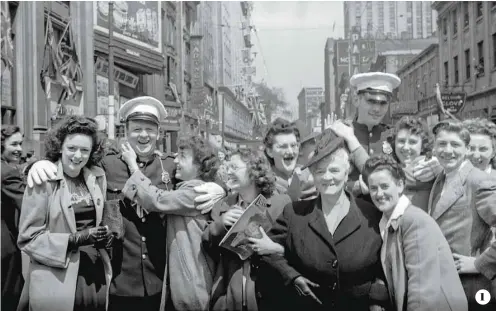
x=60 y=63
x=257 y=110
x=7 y=46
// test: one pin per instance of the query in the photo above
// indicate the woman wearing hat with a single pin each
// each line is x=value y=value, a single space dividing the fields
x=332 y=243
x=417 y=261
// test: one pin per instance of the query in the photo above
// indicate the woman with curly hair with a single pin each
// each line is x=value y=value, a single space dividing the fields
x=249 y=175
x=60 y=225
x=411 y=143
x=189 y=270
x=282 y=147
x=482 y=147
x=11 y=200
x=416 y=258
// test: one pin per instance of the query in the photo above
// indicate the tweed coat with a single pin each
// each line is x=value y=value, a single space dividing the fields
x=418 y=264
x=466 y=212
x=46 y=222
x=346 y=264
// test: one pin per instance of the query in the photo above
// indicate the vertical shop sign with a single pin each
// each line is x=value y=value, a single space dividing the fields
x=197 y=89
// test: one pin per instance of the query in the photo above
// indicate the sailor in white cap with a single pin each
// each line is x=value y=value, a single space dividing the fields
x=375 y=93
x=139 y=259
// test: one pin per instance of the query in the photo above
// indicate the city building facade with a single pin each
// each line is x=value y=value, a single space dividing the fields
x=467 y=54
x=309 y=113
x=416 y=93
x=390 y=19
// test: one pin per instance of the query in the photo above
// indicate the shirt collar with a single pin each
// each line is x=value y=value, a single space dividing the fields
x=452 y=174
x=398 y=211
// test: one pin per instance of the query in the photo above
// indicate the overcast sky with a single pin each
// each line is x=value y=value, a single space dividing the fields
x=291 y=40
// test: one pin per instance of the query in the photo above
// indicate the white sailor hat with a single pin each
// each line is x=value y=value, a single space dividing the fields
x=143 y=108
x=375 y=81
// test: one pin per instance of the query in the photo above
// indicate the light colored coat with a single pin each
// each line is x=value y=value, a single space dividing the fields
x=45 y=224
x=466 y=213
x=418 y=265
x=189 y=268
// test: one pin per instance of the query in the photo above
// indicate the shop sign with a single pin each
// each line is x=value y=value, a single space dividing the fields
x=404 y=107
x=137 y=22
x=173 y=116
x=102 y=94
x=453 y=102
x=197 y=84
x=120 y=75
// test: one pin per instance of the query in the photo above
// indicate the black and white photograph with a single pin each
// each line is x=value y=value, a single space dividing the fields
x=248 y=155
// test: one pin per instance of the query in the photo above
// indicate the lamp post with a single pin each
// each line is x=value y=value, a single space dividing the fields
x=111 y=121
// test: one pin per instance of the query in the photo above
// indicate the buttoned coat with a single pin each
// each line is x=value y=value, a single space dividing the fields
x=419 y=267
x=465 y=212
x=46 y=222
x=346 y=265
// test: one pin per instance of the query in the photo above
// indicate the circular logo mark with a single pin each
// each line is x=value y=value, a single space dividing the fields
x=482 y=297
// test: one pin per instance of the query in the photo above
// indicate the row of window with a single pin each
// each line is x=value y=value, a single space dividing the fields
x=416 y=84
x=477 y=63
x=479 y=11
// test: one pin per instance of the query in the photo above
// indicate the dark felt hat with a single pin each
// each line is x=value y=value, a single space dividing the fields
x=326 y=144
x=309 y=137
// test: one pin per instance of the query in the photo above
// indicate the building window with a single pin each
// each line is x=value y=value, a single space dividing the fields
x=480 y=55
x=494 y=49
x=480 y=6
x=445 y=26
x=466 y=19
x=455 y=22
x=446 y=73
x=467 y=64
x=455 y=66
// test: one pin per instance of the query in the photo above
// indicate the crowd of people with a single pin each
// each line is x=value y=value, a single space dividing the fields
x=366 y=216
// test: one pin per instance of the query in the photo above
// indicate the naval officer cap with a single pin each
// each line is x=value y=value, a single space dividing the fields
x=375 y=82
x=144 y=108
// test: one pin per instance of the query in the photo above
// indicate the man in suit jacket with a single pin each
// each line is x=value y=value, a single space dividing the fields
x=463 y=203
x=332 y=243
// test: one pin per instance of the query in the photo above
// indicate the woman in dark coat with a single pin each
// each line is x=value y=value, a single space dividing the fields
x=12 y=192
x=332 y=243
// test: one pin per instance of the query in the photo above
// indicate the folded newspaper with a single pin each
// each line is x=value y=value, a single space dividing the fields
x=254 y=217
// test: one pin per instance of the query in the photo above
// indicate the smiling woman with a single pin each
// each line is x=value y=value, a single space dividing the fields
x=11 y=144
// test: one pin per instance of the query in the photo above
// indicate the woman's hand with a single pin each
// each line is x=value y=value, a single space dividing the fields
x=465 y=264
x=230 y=217
x=129 y=156
x=265 y=246
x=303 y=287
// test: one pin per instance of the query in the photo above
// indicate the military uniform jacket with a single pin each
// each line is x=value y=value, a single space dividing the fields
x=139 y=260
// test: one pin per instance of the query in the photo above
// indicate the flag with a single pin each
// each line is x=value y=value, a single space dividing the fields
x=48 y=71
x=6 y=35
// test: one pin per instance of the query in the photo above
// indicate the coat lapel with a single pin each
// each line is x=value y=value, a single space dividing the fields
x=453 y=192
x=319 y=226
x=350 y=223
x=90 y=176
x=65 y=199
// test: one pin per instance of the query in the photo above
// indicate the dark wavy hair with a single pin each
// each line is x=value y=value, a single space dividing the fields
x=279 y=126
x=415 y=126
x=7 y=131
x=456 y=127
x=259 y=169
x=74 y=125
x=203 y=155
x=383 y=162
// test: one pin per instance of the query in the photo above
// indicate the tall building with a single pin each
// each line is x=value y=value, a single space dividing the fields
x=309 y=100
x=390 y=19
x=467 y=54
